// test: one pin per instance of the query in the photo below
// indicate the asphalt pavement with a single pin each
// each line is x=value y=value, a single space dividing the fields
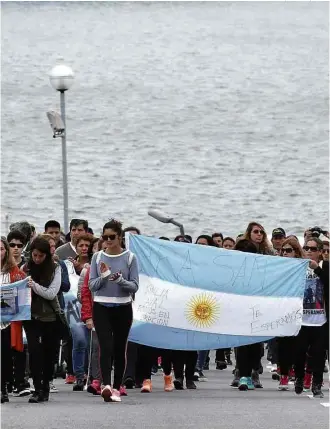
x=214 y=405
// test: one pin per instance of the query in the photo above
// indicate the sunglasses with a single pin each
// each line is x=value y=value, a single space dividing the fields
x=109 y=237
x=325 y=251
x=287 y=250
x=258 y=231
x=18 y=245
x=310 y=248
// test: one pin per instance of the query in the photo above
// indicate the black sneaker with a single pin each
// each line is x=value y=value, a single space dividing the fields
x=196 y=375
x=256 y=380
x=201 y=376
x=79 y=386
x=299 y=386
x=36 y=397
x=178 y=383
x=129 y=383
x=235 y=382
x=21 y=391
x=4 y=397
x=190 y=385
x=317 y=391
x=221 y=365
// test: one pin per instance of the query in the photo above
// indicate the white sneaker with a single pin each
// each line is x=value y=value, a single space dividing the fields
x=115 y=397
x=106 y=393
x=52 y=388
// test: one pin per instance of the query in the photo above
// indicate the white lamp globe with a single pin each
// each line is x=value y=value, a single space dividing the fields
x=61 y=77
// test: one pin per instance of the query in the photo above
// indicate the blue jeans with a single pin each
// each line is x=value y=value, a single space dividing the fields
x=202 y=355
x=80 y=339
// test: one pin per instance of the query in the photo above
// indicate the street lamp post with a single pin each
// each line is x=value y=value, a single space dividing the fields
x=164 y=218
x=61 y=78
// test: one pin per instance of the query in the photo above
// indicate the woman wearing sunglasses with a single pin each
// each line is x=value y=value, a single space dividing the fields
x=290 y=249
x=257 y=234
x=114 y=279
x=312 y=335
x=11 y=334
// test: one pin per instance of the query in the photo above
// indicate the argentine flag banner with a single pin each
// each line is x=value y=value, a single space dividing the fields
x=15 y=301
x=194 y=297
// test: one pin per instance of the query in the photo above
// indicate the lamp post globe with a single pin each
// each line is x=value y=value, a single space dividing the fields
x=61 y=77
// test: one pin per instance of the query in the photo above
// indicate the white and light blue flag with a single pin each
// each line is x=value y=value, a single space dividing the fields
x=194 y=297
x=15 y=301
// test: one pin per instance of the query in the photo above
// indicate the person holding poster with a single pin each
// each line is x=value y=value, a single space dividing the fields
x=41 y=330
x=11 y=334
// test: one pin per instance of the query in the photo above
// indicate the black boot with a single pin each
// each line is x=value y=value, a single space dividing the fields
x=178 y=383
x=79 y=386
x=190 y=385
x=45 y=391
x=299 y=385
x=36 y=397
x=317 y=390
x=4 y=396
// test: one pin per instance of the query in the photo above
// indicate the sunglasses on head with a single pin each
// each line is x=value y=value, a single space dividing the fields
x=310 y=248
x=18 y=245
x=258 y=231
x=287 y=250
x=109 y=237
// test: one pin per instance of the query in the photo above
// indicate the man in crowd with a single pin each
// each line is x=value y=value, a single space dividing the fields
x=78 y=227
x=53 y=228
x=278 y=237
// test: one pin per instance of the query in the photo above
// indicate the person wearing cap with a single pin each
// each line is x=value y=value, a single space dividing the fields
x=278 y=237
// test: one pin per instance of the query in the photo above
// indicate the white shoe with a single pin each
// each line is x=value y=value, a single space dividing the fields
x=52 y=388
x=115 y=397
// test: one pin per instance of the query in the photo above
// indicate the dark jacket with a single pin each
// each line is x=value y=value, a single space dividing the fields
x=323 y=273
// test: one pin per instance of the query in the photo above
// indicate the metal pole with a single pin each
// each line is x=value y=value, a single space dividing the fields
x=64 y=168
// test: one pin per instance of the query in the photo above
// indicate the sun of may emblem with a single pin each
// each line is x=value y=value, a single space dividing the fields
x=202 y=311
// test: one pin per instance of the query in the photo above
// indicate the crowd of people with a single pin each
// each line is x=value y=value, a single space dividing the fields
x=97 y=354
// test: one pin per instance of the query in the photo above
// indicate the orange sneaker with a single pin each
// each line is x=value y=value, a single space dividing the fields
x=168 y=383
x=146 y=386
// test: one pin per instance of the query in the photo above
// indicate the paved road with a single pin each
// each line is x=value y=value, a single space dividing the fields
x=213 y=406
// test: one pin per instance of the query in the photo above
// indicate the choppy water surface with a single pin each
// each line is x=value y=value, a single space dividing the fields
x=214 y=112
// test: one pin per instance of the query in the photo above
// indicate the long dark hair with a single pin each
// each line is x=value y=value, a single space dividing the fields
x=43 y=273
x=208 y=238
x=9 y=262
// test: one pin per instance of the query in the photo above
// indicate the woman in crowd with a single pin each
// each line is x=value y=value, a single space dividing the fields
x=312 y=335
x=257 y=234
x=247 y=357
x=114 y=279
x=290 y=249
x=42 y=329
x=80 y=334
x=229 y=243
x=11 y=334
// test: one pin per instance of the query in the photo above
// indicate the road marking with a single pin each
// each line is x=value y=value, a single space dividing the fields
x=325 y=404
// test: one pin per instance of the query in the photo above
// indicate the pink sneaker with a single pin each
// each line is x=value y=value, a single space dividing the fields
x=94 y=388
x=106 y=393
x=122 y=391
x=115 y=397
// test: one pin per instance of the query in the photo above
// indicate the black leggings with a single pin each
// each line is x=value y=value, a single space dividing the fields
x=311 y=339
x=182 y=358
x=286 y=348
x=42 y=350
x=6 y=358
x=248 y=358
x=112 y=325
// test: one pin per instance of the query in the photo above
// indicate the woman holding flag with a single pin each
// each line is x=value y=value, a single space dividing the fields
x=11 y=334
